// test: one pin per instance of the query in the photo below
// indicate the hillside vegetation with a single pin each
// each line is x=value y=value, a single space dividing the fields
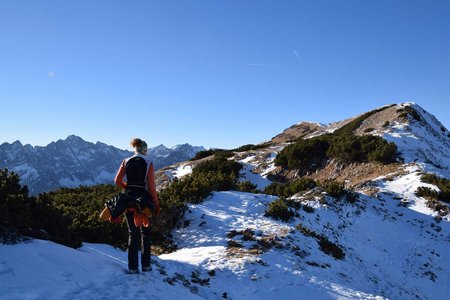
x=343 y=145
x=70 y=216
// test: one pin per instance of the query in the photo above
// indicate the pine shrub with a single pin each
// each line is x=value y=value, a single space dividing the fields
x=15 y=205
x=247 y=186
x=289 y=189
x=330 y=248
x=325 y=244
x=275 y=189
x=442 y=183
x=279 y=210
x=333 y=188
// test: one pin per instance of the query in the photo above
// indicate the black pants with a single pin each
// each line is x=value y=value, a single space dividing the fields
x=137 y=237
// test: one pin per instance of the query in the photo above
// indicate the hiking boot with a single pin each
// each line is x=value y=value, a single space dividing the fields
x=147 y=269
x=133 y=272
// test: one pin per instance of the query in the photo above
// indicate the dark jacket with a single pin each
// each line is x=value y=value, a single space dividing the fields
x=129 y=199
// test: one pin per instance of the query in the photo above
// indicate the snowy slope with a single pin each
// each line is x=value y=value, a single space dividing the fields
x=425 y=142
x=391 y=252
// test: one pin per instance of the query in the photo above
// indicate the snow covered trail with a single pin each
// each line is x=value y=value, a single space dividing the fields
x=229 y=249
x=44 y=270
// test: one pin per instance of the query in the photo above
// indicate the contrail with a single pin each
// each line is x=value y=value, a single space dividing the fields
x=296 y=54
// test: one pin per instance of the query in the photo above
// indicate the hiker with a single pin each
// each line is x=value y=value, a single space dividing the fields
x=140 y=183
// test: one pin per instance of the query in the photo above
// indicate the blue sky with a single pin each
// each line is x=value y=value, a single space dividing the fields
x=213 y=73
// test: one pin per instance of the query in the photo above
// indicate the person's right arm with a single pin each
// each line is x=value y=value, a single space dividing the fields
x=120 y=176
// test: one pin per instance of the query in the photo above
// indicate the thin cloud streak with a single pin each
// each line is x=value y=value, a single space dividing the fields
x=296 y=54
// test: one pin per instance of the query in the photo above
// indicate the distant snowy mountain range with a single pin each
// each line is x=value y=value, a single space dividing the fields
x=74 y=161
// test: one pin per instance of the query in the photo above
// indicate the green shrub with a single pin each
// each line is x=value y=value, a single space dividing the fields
x=289 y=189
x=194 y=188
x=427 y=193
x=362 y=149
x=279 y=210
x=305 y=154
x=15 y=205
x=442 y=183
x=203 y=154
x=299 y=185
x=384 y=152
x=247 y=186
x=217 y=174
x=68 y=216
x=218 y=165
x=249 y=147
x=386 y=124
x=211 y=152
x=333 y=188
x=274 y=189
x=307 y=232
x=330 y=248
x=325 y=245
x=71 y=216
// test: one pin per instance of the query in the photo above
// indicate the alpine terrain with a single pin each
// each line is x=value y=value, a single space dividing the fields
x=357 y=209
x=73 y=162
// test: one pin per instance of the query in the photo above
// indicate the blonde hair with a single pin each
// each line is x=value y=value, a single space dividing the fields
x=139 y=145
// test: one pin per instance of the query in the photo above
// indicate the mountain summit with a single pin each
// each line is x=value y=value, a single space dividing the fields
x=73 y=161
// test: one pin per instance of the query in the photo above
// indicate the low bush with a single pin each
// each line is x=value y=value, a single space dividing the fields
x=279 y=210
x=306 y=154
x=333 y=188
x=325 y=244
x=427 y=193
x=331 y=248
x=275 y=189
x=219 y=165
x=250 y=147
x=15 y=205
x=366 y=148
x=289 y=189
x=65 y=216
x=247 y=186
x=442 y=183
x=215 y=175
x=211 y=152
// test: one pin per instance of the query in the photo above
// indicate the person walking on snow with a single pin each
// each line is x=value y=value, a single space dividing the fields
x=140 y=182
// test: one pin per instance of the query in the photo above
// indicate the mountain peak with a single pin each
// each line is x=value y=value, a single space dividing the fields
x=74 y=138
